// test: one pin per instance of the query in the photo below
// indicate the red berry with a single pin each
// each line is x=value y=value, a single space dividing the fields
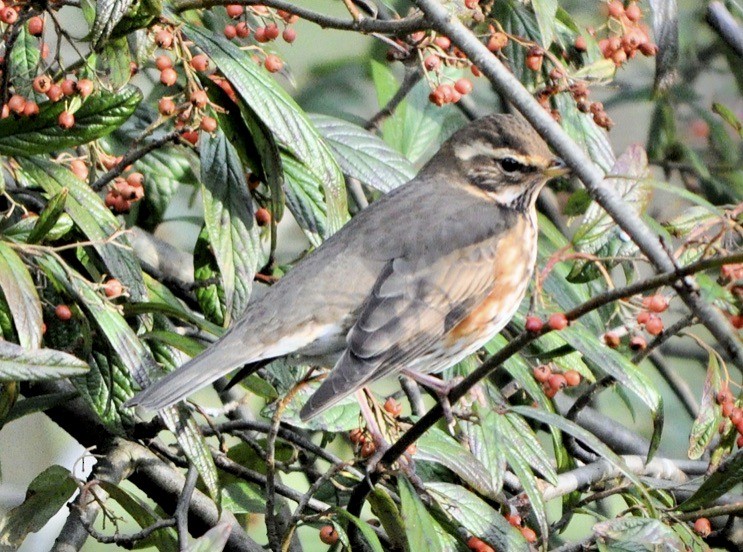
x=113 y=288
x=533 y=324
x=69 y=87
x=230 y=32
x=163 y=62
x=242 y=29
x=357 y=436
x=655 y=303
x=723 y=396
x=328 y=534
x=557 y=382
x=235 y=10
x=9 y=16
x=534 y=58
x=208 y=124
x=558 y=321
x=612 y=340
x=199 y=98
x=442 y=42
x=273 y=63
x=736 y=415
x=393 y=407
x=135 y=179
x=497 y=41
x=272 y=31
x=633 y=12
x=42 y=84
x=85 y=87
x=542 y=373
x=289 y=35
x=702 y=527
x=31 y=109
x=54 y=93
x=616 y=9
x=168 y=76
x=35 y=26
x=654 y=325
x=643 y=317
x=572 y=377
x=16 y=103
x=166 y=107
x=66 y=120
x=478 y=545
x=529 y=534
x=262 y=216
x=260 y=35
x=580 y=44
x=79 y=168
x=514 y=519
x=637 y=343
x=63 y=312
x=164 y=39
x=191 y=136
x=648 y=49
x=463 y=86
x=367 y=449
x=471 y=4
x=432 y=62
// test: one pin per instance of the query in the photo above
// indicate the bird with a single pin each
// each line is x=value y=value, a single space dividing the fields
x=414 y=283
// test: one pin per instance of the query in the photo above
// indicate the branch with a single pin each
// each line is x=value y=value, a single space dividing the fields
x=725 y=25
x=404 y=26
x=583 y=167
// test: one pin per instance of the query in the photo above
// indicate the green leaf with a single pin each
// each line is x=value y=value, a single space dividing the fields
x=115 y=61
x=729 y=117
x=46 y=495
x=230 y=221
x=38 y=404
x=389 y=516
x=278 y=112
x=99 y=115
x=48 y=217
x=637 y=533
x=24 y=60
x=581 y=128
x=304 y=200
x=19 y=364
x=477 y=517
x=598 y=234
x=364 y=528
x=727 y=476
x=545 y=11
x=20 y=293
x=704 y=428
x=214 y=540
x=92 y=217
x=363 y=155
x=108 y=13
x=419 y=525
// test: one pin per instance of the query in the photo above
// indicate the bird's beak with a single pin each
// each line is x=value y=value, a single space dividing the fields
x=556 y=168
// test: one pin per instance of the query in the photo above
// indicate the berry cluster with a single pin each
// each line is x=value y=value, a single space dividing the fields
x=20 y=106
x=362 y=442
x=265 y=29
x=732 y=412
x=648 y=318
x=124 y=192
x=627 y=35
x=731 y=275
x=553 y=381
x=557 y=321
x=437 y=52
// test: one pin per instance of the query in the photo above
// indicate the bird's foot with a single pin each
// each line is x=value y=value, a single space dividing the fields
x=440 y=389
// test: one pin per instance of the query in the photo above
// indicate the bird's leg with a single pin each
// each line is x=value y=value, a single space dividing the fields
x=441 y=389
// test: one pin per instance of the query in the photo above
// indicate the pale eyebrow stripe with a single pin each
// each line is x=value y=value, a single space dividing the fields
x=465 y=152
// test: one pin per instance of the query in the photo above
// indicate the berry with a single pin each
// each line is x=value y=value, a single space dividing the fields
x=557 y=382
x=289 y=35
x=260 y=35
x=242 y=29
x=66 y=120
x=648 y=49
x=572 y=377
x=643 y=317
x=478 y=545
x=200 y=62
x=328 y=534
x=199 y=98
x=63 y=312
x=272 y=31
x=230 y=32
x=702 y=527
x=580 y=44
x=235 y=11
x=135 y=179
x=168 y=76
x=534 y=58
x=42 y=84
x=9 y=16
x=36 y=26
x=655 y=303
x=432 y=62
x=727 y=409
x=529 y=534
x=357 y=436
x=471 y=4
x=616 y=9
x=514 y=520
x=54 y=93
x=85 y=87
x=69 y=87
x=262 y=217
x=723 y=396
x=163 y=62
x=31 y=109
x=637 y=343
x=208 y=124
x=533 y=324
x=463 y=86
x=191 y=136
x=558 y=321
x=367 y=449
x=497 y=41
x=654 y=325
x=5 y=112
x=113 y=288
x=164 y=39
x=542 y=373
x=166 y=107
x=79 y=169
x=736 y=415
x=556 y=74
x=612 y=340
x=633 y=12
x=16 y=103
x=393 y=407
x=273 y=63
x=442 y=42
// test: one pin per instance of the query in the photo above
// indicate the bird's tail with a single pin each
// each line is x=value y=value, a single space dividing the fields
x=218 y=360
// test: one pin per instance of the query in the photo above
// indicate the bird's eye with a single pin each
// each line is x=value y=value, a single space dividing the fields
x=509 y=164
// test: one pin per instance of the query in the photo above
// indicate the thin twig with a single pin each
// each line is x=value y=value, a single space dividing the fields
x=725 y=25
x=413 y=75
x=181 y=510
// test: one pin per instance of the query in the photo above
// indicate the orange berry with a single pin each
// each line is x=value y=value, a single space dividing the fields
x=79 y=169
x=463 y=86
x=200 y=62
x=235 y=10
x=262 y=217
x=633 y=12
x=31 y=109
x=736 y=415
x=69 y=87
x=63 y=312
x=643 y=317
x=135 y=179
x=273 y=63
x=367 y=449
x=242 y=29
x=357 y=436
x=557 y=382
x=260 y=35
x=230 y=32
x=727 y=409
x=42 y=84
x=432 y=62
x=514 y=519
x=113 y=288
x=558 y=321
x=54 y=93
x=723 y=396
x=272 y=31
x=289 y=35
x=393 y=407
x=166 y=107
x=16 y=103
x=66 y=120
x=191 y=136
x=85 y=87
x=328 y=534
x=637 y=343
x=542 y=373
x=199 y=98
x=471 y=4
x=529 y=534
x=35 y=26
x=533 y=324
x=442 y=42
x=612 y=340
x=497 y=41
x=9 y=16
x=168 y=76
x=702 y=527
x=616 y=9
x=580 y=44
x=163 y=62
x=654 y=325
x=572 y=377
x=655 y=303
x=164 y=39
x=208 y=124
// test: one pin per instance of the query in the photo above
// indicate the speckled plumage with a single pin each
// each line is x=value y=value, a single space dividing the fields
x=418 y=280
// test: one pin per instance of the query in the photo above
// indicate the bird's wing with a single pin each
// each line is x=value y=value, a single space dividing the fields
x=414 y=304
